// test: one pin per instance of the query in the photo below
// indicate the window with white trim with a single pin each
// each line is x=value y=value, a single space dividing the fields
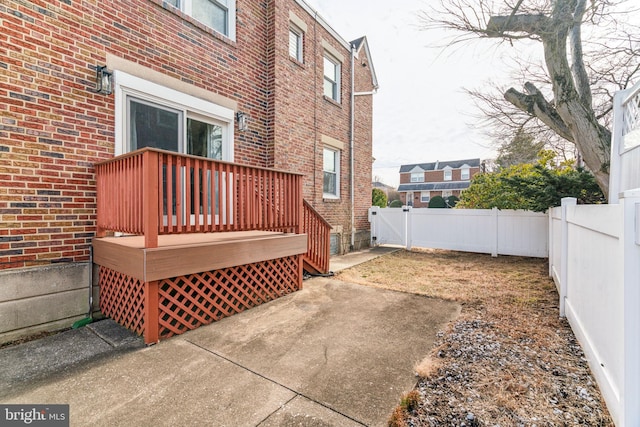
x=425 y=196
x=296 y=43
x=464 y=174
x=417 y=177
x=151 y=115
x=448 y=175
x=331 y=173
x=219 y=15
x=331 y=78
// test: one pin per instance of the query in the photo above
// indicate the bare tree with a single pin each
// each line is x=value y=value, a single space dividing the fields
x=591 y=49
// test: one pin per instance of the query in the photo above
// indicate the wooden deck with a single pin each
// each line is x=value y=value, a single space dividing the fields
x=182 y=254
x=202 y=240
x=190 y=280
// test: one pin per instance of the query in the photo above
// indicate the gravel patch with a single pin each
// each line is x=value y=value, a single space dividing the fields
x=507 y=360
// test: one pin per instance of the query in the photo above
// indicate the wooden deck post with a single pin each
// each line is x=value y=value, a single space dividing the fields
x=151 y=313
x=300 y=228
x=150 y=196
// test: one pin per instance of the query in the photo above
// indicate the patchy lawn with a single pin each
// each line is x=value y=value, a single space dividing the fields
x=508 y=360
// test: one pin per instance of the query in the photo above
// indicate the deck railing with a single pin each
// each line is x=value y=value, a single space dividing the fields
x=152 y=192
x=318 y=232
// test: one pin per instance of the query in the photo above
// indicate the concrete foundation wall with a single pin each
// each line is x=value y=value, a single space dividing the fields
x=38 y=299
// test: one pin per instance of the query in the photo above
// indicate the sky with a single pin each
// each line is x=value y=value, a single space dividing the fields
x=421 y=113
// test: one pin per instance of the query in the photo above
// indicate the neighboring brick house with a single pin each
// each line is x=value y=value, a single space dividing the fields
x=420 y=182
x=186 y=75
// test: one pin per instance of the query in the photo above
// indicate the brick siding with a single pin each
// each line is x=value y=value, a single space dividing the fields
x=53 y=128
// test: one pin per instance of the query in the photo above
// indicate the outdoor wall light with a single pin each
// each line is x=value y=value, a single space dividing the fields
x=243 y=121
x=103 y=80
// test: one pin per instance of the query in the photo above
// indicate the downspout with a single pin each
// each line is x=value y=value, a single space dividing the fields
x=352 y=142
x=351 y=148
x=315 y=105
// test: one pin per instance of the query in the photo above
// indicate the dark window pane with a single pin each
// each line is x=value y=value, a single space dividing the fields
x=204 y=139
x=329 y=183
x=150 y=126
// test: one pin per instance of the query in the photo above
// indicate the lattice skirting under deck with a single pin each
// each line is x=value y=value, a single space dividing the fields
x=122 y=299
x=168 y=307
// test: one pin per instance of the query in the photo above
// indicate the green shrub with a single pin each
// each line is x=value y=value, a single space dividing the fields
x=437 y=202
x=378 y=198
x=452 y=201
x=396 y=204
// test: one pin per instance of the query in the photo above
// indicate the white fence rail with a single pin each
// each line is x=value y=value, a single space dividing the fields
x=594 y=259
x=491 y=231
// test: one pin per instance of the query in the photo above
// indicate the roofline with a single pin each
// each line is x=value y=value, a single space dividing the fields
x=367 y=52
x=444 y=161
x=311 y=11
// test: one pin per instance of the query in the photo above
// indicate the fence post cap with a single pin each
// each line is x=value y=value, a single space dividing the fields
x=569 y=201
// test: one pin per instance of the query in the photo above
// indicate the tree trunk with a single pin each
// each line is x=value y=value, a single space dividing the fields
x=571 y=113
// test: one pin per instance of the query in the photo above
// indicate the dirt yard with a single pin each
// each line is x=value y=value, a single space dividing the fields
x=508 y=360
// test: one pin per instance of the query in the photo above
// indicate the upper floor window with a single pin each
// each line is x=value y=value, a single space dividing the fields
x=464 y=174
x=331 y=78
x=296 y=44
x=217 y=14
x=447 y=175
x=331 y=173
x=417 y=177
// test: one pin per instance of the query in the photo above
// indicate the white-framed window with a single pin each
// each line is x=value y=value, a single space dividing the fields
x=219 y=15
x=464 y=173
x=417 y=177
x=448 y=175
x=331 y=77
x=331 y=173
x=446 y=193
x=152 y=115
x=425 y=196
x=296 y=43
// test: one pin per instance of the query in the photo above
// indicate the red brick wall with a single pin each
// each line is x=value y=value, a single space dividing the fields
x=363 y=140
x=53 y=128
x=304 y=115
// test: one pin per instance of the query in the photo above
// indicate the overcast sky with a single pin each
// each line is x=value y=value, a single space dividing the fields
x=420 y=112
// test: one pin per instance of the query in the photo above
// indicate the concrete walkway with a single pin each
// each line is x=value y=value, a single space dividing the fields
x=332 y=354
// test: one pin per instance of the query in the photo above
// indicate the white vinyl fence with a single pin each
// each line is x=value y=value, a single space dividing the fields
x=594 y=259
x=490 y=231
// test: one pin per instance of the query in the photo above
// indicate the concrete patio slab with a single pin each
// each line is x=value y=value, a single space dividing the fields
x=351 y=348
x=332 y=354
x=171 y=384
x=301 y=411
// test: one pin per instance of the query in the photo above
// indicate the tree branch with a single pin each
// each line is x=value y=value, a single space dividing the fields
x=583 y=86
x=499 y=26
x=535 y=104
